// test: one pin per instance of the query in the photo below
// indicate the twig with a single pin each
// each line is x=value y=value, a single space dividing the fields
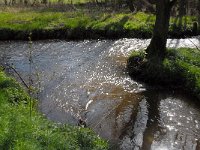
x=11 y=67
x=194 y=44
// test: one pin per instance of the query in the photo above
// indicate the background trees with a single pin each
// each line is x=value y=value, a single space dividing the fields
x=183 y=6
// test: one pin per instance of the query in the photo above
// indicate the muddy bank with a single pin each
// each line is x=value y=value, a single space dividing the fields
x=82 y=33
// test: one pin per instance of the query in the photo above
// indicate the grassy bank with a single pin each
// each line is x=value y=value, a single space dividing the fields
x=181 y=67
x=21 y=130
x=82 y=24
x=57 y=1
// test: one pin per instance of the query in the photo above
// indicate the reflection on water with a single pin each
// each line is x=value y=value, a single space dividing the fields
x=134 y=137
x=88 y=79
x=174 y=125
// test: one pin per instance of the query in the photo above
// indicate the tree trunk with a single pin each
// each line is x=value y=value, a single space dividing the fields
x=199 y=14
x=182 y=11
x=130 y=5
x=182 y=7
x=25 y=2
x=157 y=47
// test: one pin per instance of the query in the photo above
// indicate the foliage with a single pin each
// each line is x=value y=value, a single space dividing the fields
x=20 y=131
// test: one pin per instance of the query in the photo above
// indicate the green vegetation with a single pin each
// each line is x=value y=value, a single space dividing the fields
x=69 y=1
x=180 y=67
x=20 y=131
x=56 y=1
x=80 y=24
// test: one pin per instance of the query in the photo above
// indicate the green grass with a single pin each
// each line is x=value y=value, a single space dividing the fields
x=69 y=1
x=50 y=20
x=19 y=131
x=56 y=1
x=44 y=20
x=186 y=63
x=121 y=24
x=186 y=22
x=180 y=67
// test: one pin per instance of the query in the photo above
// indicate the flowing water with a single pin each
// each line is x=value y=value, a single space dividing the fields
x=88 y=80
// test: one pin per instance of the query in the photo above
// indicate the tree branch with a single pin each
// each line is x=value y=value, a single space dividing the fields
x=20 y=77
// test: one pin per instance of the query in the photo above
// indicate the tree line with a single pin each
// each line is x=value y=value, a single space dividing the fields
x=184 y=7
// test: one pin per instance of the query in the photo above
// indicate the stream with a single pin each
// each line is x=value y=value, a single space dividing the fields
x=88 y=79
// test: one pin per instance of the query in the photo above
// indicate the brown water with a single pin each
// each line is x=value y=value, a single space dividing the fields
x=88 y=79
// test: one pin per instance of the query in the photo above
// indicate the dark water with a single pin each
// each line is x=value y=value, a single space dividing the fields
x=88 y=80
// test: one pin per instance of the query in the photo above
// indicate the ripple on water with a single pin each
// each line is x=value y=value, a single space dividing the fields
x=88 y=79
x=179 y=130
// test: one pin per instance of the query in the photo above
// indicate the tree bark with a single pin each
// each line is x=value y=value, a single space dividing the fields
x=182 y=7
x=199 y=14
x=182 y=11
x=157 y=47
x=130 y=5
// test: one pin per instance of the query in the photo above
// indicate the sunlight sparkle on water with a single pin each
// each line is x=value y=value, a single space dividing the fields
x=161 y=148
x=170 y=128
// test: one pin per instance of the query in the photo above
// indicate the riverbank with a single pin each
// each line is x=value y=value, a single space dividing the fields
x=17 y=24
x=25 y=128
x=180 y=68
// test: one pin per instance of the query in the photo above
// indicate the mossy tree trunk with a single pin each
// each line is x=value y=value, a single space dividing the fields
x=157 y=47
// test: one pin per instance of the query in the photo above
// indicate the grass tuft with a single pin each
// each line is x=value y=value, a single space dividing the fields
x=21 y=132
x=180 y=67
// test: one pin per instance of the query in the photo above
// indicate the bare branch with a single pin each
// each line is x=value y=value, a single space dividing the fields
x=11 y=67
x=194 y=44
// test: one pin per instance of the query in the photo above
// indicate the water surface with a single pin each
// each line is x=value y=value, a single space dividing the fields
x=88 y=80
